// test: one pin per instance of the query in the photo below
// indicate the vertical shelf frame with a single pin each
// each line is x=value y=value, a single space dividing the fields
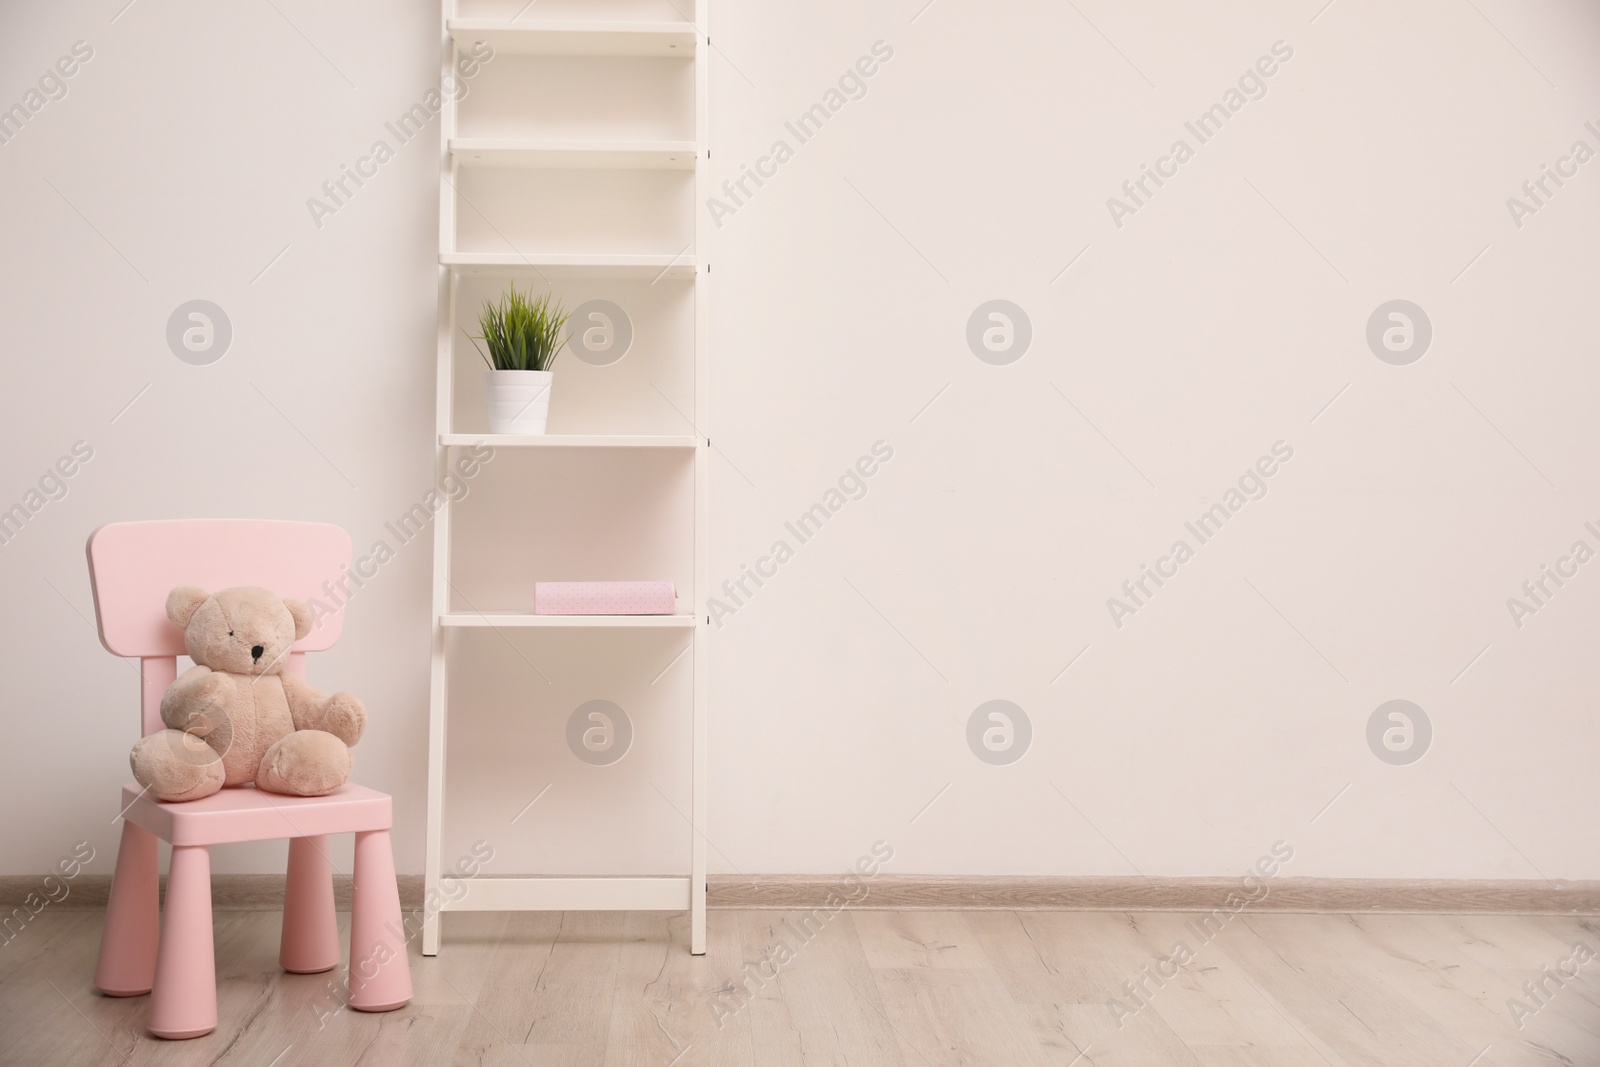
x=702 y=474
x=444 y=400
x=638 y=893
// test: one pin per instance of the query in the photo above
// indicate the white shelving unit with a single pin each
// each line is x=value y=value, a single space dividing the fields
x=530 y=37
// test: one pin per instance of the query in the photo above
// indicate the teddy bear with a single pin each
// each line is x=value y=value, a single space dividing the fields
x=236 y=717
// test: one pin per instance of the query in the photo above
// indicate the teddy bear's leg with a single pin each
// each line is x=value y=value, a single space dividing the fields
x=306 y=763
x=174 y=765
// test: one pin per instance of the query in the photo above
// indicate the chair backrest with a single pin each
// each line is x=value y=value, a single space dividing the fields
x=134 y=565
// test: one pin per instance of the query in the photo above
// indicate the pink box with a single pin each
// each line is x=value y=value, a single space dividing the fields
x=604 y=598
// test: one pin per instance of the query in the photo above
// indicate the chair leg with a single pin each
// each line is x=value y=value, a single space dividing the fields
x=183 y=1002
x=127 y=964
x=310 y=941
x=380 y=973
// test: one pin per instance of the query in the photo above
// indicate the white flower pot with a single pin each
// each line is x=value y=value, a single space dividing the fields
x=519 y=400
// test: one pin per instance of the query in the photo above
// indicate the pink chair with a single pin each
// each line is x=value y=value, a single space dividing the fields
x=133 y=565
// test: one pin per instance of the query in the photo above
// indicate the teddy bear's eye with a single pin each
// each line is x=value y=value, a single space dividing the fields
x=230 y=633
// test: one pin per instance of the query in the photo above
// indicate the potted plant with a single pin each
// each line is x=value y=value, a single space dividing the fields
x=523 y=335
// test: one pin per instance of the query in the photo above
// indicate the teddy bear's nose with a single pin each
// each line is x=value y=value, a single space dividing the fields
x=256 y=650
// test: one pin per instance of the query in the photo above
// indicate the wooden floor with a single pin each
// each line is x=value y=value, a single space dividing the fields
x=910 y=988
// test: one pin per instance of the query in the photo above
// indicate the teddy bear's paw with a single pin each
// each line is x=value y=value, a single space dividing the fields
x=306 y=763
x=345 y=718
x=196 y=704
x=213 y=687
x=174 y=766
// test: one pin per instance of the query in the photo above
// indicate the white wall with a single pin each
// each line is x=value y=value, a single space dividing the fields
x=1220 y=318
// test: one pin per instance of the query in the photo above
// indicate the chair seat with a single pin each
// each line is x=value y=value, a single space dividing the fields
x=245 y=813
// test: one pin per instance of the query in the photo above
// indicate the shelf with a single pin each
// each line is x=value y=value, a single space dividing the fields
x=591 y=622
x=536 y=893
x=569 y=440
x=674 y=40
x=593 y=265
x=572 y=155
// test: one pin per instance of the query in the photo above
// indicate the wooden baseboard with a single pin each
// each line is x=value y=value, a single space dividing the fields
x=954 y=893
x=936 y=892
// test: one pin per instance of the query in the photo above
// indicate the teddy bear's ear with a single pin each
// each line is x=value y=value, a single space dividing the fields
x=302 y=616
x=183 y=602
